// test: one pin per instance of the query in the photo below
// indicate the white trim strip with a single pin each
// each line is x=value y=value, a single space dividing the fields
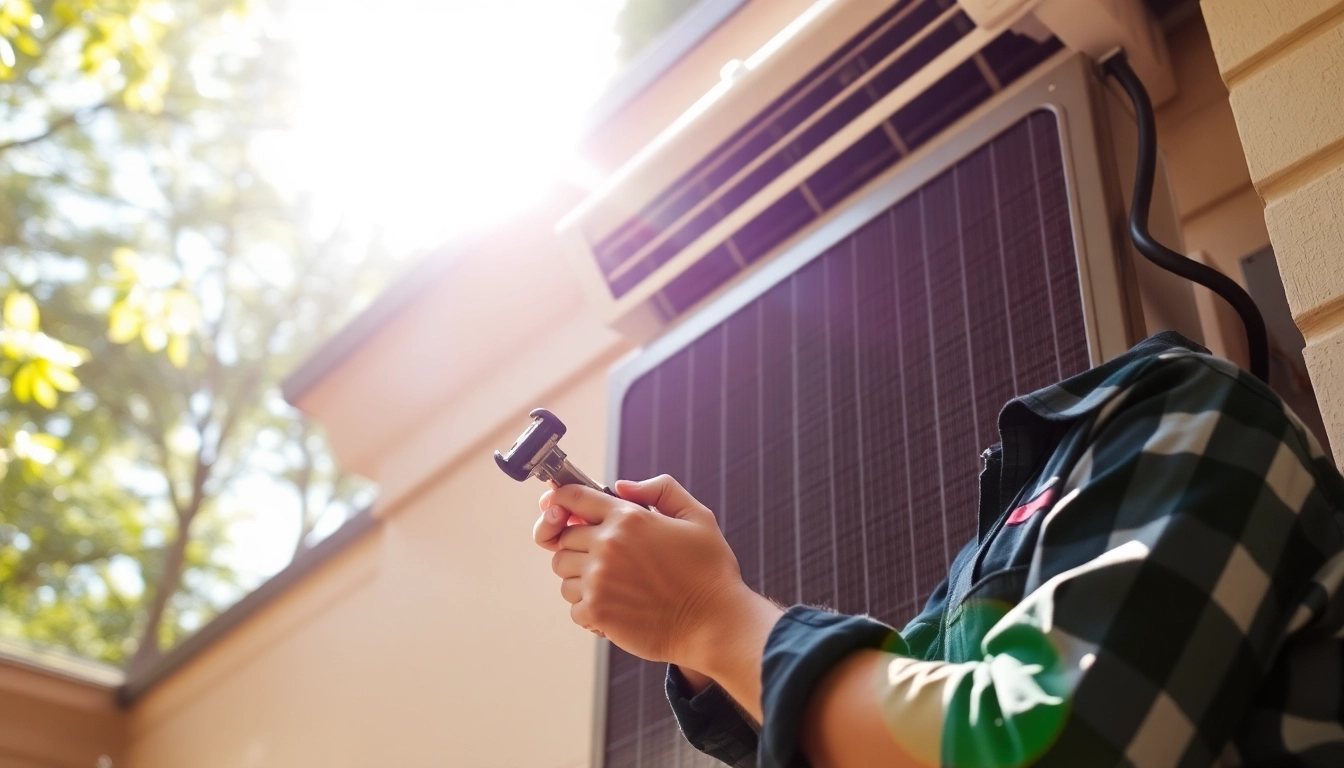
x=948 y=60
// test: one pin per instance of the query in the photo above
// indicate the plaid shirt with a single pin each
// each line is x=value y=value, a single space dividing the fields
x=1156 y=582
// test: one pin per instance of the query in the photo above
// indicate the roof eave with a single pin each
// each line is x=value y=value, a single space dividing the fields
x=353 y=530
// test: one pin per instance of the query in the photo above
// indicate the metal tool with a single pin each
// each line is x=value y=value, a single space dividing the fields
x=536 y=453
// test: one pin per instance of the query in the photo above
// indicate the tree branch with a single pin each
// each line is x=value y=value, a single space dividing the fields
x=303 y=481
x=74 y=118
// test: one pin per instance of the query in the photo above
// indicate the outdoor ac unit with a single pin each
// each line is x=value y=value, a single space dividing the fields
x=830 y=406
x=848 y=91
x=841 y=264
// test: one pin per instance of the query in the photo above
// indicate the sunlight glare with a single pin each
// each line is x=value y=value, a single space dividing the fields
x=428 y=118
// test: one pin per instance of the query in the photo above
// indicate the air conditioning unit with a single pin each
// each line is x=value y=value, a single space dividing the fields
x=841 y=265
x=849 y=90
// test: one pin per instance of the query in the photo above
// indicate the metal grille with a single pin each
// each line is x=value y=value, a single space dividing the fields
x=835 y=423
x=670 y=222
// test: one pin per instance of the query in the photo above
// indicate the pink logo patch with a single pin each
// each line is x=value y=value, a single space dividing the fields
x=1024 y=512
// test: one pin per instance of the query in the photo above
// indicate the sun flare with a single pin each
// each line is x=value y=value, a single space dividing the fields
x=428 y=118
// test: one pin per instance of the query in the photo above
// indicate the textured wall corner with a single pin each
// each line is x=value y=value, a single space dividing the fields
x=1247 y=31
x=1283 y=63
x=1288 y=109
x=1325 y=361
x=1308 y=225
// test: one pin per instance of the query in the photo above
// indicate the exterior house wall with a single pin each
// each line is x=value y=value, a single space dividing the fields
x=57 y=713
x=1216 y=203
x=439 y=638
x=1198 y=136
x=1283 y=63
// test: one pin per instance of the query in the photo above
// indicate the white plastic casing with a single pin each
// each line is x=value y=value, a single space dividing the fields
x=1093 y=27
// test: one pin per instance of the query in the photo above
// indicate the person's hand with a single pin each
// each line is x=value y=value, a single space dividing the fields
x=652 y=582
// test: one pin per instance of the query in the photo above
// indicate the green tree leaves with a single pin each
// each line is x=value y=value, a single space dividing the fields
x=157 y=288
x=119 y=42
x=18 y=23
x=160 y=318
x=37 y=365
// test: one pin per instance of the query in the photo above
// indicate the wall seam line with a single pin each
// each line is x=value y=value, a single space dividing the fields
x=1295 y=38
x=1322 y=320
x=1302 y=173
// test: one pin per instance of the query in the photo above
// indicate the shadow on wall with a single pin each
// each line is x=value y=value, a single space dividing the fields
x=1287 y=366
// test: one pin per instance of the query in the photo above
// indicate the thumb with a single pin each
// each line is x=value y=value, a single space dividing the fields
x=663 y=493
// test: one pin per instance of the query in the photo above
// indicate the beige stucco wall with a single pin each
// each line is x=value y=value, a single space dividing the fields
x=439 y=640
x=51 y=718
x=1215 y=200
x=1198 y=135
x=1283 y=62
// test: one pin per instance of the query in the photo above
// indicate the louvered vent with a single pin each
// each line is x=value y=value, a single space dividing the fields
x=905 y=39
x=795 y=160
x=835 y=423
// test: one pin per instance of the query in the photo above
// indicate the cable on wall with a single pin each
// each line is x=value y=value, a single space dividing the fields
x=1257 y=342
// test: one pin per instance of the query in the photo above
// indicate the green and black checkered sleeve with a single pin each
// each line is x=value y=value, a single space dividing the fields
x=1167 y=578
x=1195 y=545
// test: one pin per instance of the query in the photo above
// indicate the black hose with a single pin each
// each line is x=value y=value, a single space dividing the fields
x=1257 y=341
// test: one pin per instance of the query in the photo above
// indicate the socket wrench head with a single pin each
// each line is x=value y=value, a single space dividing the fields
x=530 y=451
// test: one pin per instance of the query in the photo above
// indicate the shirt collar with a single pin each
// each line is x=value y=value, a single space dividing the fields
x=1079 y=395
x=1031 y=426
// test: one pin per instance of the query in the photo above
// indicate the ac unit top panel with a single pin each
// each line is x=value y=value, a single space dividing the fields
x=786 y=165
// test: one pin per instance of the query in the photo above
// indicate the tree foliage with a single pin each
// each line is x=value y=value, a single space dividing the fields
x=157 y=286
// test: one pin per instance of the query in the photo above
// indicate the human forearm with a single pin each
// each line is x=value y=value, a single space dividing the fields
x=729 y=644
x=843 y=725
x=663 y=585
